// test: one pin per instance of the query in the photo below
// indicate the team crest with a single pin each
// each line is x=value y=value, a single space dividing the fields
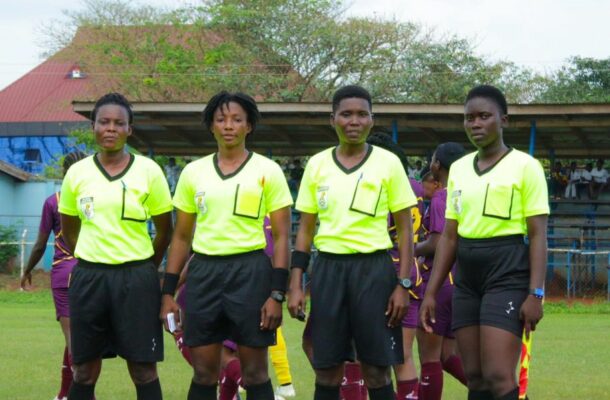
x=323 y=197
x=200 y=202
x=456 y=201
x=86 y=207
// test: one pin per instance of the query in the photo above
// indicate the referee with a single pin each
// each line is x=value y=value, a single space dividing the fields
x=232 y=291
x=495 y=196
x=106 y=200
x=355 y=294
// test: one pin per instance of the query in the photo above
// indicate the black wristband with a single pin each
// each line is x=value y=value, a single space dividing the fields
x=300 y=260
x=170 y=282
x=279 y=279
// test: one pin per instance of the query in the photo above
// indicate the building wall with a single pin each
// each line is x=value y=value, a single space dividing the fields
x=21 y=206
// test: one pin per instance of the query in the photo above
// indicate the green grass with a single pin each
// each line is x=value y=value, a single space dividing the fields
x=571 y=352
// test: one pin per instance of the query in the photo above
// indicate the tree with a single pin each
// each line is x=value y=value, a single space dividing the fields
x=582 y=80
x=277 y=50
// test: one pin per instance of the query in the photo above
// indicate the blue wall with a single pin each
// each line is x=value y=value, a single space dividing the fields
x=21 y=206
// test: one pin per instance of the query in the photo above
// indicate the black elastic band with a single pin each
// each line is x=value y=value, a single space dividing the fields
x=170 y=283
x=279 y=279
x=300 y=260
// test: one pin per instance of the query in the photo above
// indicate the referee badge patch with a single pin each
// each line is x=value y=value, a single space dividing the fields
x=200 y=202
x=322 y=197
x=86 y=207
x=456 y=201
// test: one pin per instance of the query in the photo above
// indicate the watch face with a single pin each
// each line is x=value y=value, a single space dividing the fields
x=405 y=283
x=278 y=296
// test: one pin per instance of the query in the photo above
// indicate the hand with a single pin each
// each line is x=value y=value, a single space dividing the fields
x=271 y=315
x=26 y=280
x=427 y=311
x=169 y=305
x=397 y=306
x=296 y=302
x=531 y=313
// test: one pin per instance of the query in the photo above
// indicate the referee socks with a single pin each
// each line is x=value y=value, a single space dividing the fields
x=382 y=393
x=323 y=392
x=262 y=391
x=512 y=395
x=202 y=392
x=480 y=395
x=149 y=391
x=79 y=391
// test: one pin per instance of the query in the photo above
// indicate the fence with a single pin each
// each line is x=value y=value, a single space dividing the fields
x=578 y=273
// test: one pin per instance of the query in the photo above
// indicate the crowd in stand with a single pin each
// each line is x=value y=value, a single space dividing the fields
x=576 y=182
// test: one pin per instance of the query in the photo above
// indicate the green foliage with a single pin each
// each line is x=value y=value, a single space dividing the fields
x=79 y=138
x=582 y=80
x=297 y=50
x=8 y=234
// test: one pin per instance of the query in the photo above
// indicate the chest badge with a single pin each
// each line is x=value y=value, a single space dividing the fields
x=86 y=206
x=323 y=197
x=200 y=202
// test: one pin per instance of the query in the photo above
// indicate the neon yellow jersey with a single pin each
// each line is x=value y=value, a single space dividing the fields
x=231 y=208
x=353 y=205
x=114 y=210
x=496 y=202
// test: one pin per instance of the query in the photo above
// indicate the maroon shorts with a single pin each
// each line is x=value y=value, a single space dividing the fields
x=412 y=316
x=62 y=306
x=443 y=311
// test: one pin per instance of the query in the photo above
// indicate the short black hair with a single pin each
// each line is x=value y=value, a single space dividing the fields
x=383 y=140
x=73 y=157
x=351 y=91
x=222 y=99
x=449 y=152
x=112 y=98
x=489 y=92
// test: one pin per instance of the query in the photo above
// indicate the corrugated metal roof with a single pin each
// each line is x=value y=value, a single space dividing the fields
x=43 y=94
x=13 y=171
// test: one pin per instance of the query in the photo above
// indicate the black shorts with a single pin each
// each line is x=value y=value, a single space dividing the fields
x=224 y=297
x=349 y=297
x=115 y=308
x=491 y=283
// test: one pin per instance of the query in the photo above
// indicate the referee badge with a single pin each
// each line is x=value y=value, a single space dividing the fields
x=200 y=202
x=456 y=201
x=323 y=197
x=86 y=206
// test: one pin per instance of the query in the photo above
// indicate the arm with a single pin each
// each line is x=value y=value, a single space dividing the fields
x=163 y=228
x=296 y=296
x=399 y=300
x=70 y=228
x=271 y=313
x=443 y=260
x=35 y=256
x=427 y=248
x=531 y=310
x=176 y=259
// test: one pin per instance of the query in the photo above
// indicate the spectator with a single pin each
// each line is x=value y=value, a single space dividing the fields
x=557 y=181
x=599 y=176
x=172 y=173
x=585 y=181
x=573 y=176
x=415 y=173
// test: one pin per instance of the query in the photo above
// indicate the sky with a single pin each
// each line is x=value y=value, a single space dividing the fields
x=539 y=34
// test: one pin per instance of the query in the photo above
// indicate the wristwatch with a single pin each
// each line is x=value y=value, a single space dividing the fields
x=405 y=283
x=537 y=293
x=278 y=296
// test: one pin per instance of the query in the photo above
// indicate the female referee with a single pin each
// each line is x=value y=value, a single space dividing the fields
x=232 y=291
x=496 y=196
x=106 y=200
x=355 y=294
x=63 y=263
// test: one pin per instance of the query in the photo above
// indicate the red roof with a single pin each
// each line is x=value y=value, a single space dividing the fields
x=44 y=94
